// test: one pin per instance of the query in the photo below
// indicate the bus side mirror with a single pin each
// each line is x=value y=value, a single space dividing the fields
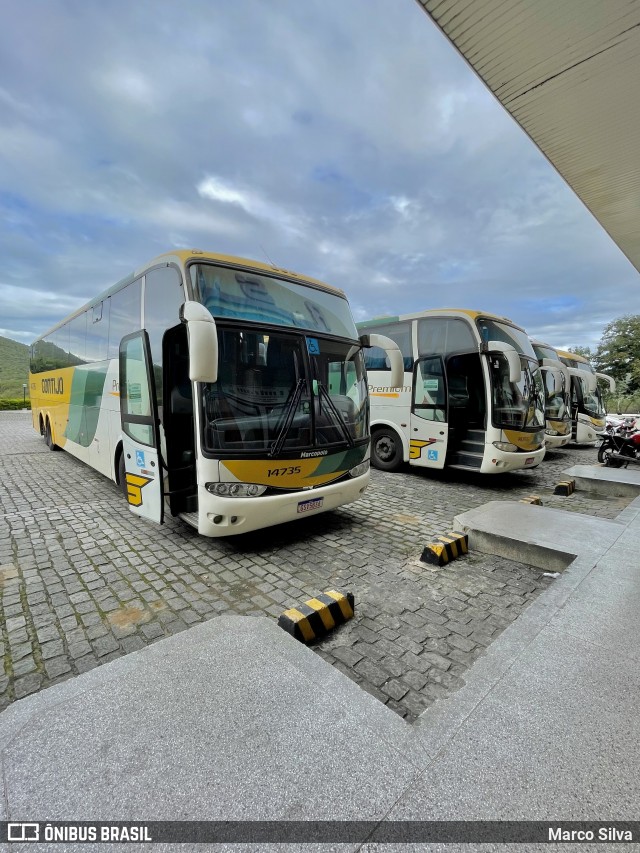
x=513 y=359
x=608 y=379
x=559 y=376
x=589 y=379
x=396 y=380
x=203 y=342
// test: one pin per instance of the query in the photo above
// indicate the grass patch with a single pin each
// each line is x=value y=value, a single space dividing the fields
x=14 y=368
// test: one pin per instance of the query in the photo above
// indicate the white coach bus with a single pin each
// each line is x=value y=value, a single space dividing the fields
x=230 y=393
x=472 y=395
x=557 y=395
x=588 y=413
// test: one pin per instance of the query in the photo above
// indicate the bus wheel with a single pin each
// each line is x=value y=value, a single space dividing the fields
x=386 y=449
x=48 y=437
x=122 y=475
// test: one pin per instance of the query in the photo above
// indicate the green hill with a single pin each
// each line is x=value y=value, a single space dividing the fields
x=14 y=368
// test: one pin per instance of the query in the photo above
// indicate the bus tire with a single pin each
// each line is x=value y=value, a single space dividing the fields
x=48 y=437
x=122 y=475
x=386 y=449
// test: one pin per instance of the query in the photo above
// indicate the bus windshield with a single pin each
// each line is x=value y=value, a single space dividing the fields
x=280 y=393
x=240 y=295
x=592 y=401
x=545 y=352
x=517 y=405
x=555 y=394
x=492 y=330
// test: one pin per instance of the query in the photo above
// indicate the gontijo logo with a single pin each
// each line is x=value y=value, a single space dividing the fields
x=53 y=386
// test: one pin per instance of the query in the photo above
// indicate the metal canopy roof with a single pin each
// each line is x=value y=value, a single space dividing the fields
x=568 y=71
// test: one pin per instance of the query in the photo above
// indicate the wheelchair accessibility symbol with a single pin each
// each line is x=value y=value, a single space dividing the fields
x=432 y=455
x=140 y=458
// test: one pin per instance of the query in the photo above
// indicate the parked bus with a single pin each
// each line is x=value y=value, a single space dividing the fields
x=229 y=392
x=557 y=395
x=588 y=414
x=472 y=395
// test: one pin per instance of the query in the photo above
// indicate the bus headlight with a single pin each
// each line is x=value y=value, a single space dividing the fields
x=506 y=446
x=360 y=469
x=236 y=490
x=552 y=432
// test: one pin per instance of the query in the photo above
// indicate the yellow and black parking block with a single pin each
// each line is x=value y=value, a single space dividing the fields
x=531 y=499
x=566 y=487
x=317 y=616
x=445 y=548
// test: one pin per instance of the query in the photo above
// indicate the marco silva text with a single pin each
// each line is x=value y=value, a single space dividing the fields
x=600 y=833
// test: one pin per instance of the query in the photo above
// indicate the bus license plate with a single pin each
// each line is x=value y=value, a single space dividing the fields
x=530 y=460
x=307 y=506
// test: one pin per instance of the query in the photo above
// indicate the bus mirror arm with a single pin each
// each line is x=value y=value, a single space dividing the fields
x=588 y=378
x=557 y=369
x=396 y=380
x=609 y=380
x=203 y=342
x=513 y=359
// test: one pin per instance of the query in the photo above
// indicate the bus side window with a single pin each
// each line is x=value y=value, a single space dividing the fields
x=430 y=400
x=163 y=296
x=124 y=317
x=376 y=358
x=98 y=331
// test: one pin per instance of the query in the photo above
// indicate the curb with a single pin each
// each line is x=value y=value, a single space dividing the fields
x=317 y=616
x=565 y=487
x=445 y=548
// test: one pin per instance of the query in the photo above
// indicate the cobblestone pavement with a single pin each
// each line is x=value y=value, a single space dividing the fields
x=83 y=581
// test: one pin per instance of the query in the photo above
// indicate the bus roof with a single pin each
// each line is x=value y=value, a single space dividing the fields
x=538 y=343
x=186 y=255
x=572 y=355
x=181 y=257
x=446 y=312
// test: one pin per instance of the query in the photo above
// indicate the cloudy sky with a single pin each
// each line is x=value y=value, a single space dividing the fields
x=344 y=139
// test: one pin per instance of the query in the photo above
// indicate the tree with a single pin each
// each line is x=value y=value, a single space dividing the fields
x=618 y=353
x=585 y=352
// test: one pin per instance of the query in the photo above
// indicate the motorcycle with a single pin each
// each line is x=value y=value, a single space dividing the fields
x=618 y=449
x=616 y=426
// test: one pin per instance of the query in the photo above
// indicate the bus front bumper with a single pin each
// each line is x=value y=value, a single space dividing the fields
x=498 y=461
x=553 y=442
x=221 y=516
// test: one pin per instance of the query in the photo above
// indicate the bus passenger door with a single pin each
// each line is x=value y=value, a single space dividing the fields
x=139 y=422
x=429 y=428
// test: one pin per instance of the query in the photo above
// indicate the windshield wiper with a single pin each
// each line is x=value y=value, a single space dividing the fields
x=336 y=414
x=289 y=415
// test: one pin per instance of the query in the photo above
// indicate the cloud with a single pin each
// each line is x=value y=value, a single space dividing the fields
x=130 y=84
x=347 y=139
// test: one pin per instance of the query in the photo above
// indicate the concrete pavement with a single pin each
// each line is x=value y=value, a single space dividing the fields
x=235 y=720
